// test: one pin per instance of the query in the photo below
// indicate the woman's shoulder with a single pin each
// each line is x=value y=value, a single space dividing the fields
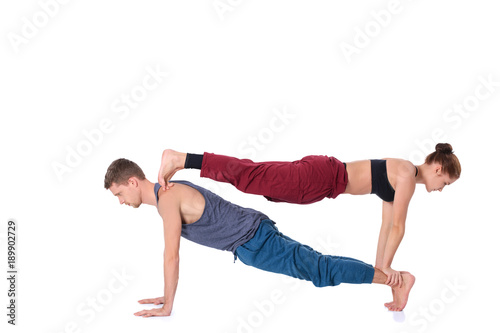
x=402 y=168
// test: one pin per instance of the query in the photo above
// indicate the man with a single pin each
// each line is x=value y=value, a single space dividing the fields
x=203 y=217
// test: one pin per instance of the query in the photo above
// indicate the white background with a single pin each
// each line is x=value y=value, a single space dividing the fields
x=229 y=74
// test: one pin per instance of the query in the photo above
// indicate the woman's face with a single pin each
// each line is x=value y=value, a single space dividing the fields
x=438 y=179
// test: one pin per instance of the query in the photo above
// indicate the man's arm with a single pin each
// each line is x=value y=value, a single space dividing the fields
x=169 y=209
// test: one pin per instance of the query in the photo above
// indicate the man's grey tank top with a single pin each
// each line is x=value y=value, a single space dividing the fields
x=222 y=225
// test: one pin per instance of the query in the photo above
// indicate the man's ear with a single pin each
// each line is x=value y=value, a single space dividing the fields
x=133 y=181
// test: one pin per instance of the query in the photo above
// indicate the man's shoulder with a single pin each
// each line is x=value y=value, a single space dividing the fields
x=176 y=194
x=183 y=199
x=170 y=198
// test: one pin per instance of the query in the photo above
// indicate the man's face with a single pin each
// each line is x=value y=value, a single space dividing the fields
x=127 y=194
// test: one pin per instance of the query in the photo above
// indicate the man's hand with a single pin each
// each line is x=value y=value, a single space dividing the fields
x=153 y=312
x=161 y=312
x=155 y=301
x=393 y=277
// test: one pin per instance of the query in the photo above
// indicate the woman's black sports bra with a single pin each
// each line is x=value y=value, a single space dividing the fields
x=380 y=181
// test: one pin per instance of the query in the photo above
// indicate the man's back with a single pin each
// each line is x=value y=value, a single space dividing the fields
x=210 y=220
x=192 y=202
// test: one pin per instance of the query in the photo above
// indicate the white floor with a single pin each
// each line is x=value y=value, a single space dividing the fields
x=84 y=83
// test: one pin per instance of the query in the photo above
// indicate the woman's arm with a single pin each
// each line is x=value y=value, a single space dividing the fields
x=404 y=193
x=385 y=229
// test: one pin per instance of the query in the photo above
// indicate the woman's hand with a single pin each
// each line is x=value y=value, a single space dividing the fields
x=393 y=277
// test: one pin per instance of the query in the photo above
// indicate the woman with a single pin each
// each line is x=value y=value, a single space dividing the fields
x=314 y=178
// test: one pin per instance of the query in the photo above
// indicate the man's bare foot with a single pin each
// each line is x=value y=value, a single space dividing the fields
x=171 y=162
x=401 y=294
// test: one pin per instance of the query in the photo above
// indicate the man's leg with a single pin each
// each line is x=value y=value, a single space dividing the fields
x=308 y=180
x=271 y=251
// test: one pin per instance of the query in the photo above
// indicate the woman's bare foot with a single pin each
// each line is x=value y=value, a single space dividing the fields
x=393 y=294
x=171 y=162
x=401 y=294
x=389 y=304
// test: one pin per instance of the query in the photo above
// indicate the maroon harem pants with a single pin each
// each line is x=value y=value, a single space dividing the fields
x=303 y=182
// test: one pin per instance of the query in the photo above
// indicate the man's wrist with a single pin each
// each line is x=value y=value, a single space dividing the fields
x=167 y=308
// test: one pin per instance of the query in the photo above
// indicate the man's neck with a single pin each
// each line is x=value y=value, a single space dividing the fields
x=147 y=193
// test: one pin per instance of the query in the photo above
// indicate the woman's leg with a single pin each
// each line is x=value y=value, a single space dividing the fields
x=305 y=181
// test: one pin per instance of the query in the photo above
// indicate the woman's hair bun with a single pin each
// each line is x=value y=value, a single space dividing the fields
x=446 y=158
x=444 y=148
